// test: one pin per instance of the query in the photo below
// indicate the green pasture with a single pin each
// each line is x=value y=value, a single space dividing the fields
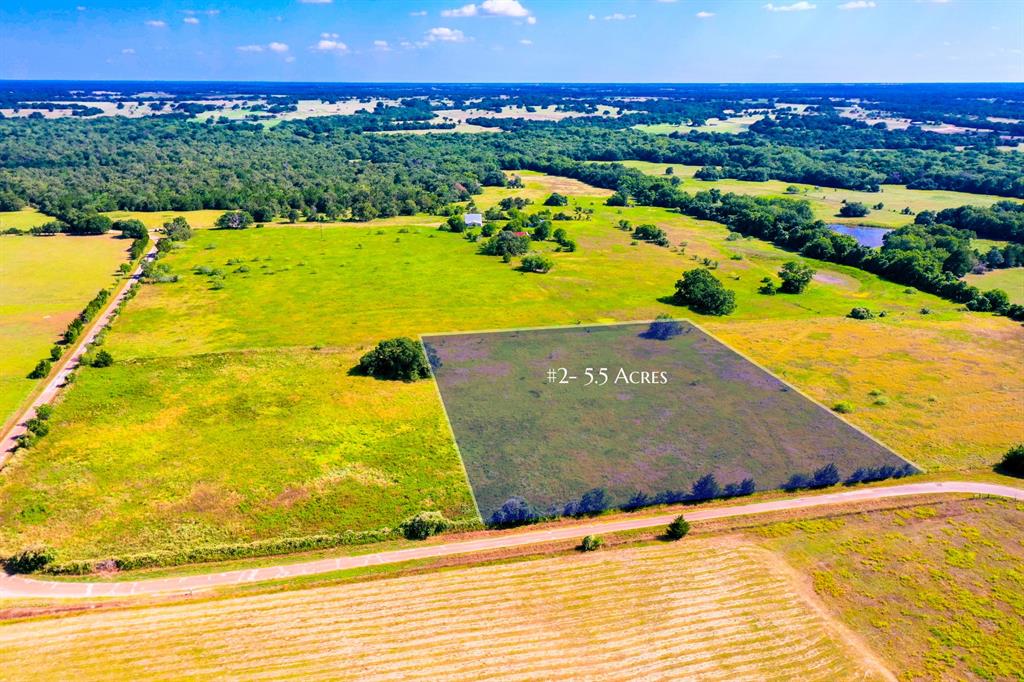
x=24 y=219
x=1010 y=280
x=44 y=283
x=229 y=413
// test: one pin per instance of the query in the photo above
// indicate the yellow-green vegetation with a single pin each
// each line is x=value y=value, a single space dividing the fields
x=721 y=611
x=936 y=590
x=1010 y=280
x=826 y=201
x=24 y=219
x=44 y=283
x=220 y=422
x=152 y=220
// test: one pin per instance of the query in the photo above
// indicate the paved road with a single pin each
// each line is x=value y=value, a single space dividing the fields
x=69 y=363
x=18 y=586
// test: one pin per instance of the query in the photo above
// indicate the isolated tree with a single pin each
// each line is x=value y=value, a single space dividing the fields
x=399 y=359
x=678 y=529
x=854 y=209
x=234 y=220
x=103 y=359
x=178 y=229
x=591 y=543
x=703 y=293
x=795 y=276
x=556 y=199
x=1013 y=462
x=541 y=232
x=456 y=223
x=537 y=262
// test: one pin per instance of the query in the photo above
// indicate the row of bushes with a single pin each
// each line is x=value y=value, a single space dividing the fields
x=516 y=511
x=828 y=476
x=207 y=553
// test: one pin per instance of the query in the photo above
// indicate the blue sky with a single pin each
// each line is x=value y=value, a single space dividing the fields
x=515 y=40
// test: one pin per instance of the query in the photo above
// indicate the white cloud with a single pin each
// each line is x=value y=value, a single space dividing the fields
x=858 y=4
x=801 y=6
x=619 y=16
x=156 y=23
x=207 y=12
x=250 y=48
x=381 y=46
x=504 y=8
x=591 y=17
x=420 y=13
x=446 y=35
x=492 y=8
x=704 y=15
x=278 y=47
x=80 y=8
x=464 y=11
x=191 y=20
x=526 y=41
x=329 y=43
x=128 y=50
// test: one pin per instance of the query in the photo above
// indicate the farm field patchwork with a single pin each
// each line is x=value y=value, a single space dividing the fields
x=720 y=610
x=935 y=590
x=548 y=414
x=826 y=201
x=287 y=289
x=44 y=283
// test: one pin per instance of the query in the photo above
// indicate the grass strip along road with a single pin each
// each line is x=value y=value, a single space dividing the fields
x=12 y=586
x=69 y=363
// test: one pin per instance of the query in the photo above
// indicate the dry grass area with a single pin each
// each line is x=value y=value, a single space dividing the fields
x=936 y=589
x=714 y=610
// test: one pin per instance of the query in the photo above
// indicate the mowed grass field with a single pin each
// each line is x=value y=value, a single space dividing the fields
x=936 y=590
x=826 y=201
x=24 y=219
x=705 y=609
x=1010 y=280
x=220 y=421
x=44 y=283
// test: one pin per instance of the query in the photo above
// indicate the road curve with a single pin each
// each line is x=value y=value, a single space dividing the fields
x=70 y=361
x=19 y=586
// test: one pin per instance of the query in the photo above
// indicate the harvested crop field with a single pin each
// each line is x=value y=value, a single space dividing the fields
x=717 y=610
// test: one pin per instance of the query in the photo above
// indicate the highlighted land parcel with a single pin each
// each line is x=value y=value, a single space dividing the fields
x=635 y=411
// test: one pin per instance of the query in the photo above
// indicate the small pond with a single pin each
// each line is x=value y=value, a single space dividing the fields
x=865 y=236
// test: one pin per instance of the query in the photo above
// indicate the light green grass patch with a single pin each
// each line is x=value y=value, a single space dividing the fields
x=44 y=283
x=24 y=219
x=1010 y=280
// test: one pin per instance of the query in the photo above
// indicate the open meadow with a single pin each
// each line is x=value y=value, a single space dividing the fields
x=716 y=609
x=44 y=283
x=826 y=201
x=230 y=414
x=24 y=219
x=1010 y=280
